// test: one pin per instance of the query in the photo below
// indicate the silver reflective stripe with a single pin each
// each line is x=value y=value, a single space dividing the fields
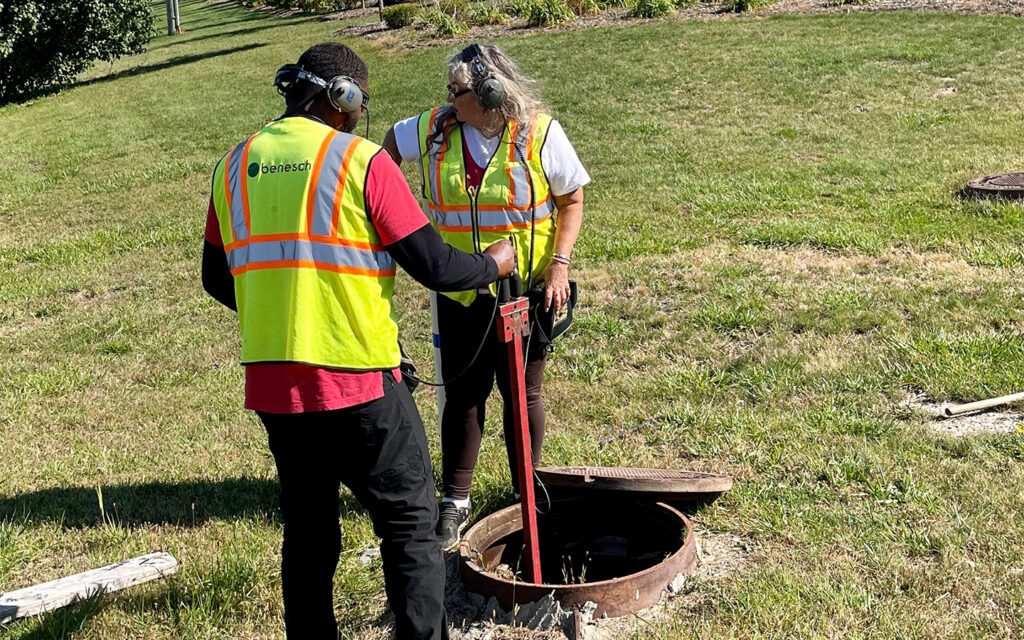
x=327 y=183
x=234 y=170
x=520 y=186
x=310 y=251
x=432 y=177
x=501 y=218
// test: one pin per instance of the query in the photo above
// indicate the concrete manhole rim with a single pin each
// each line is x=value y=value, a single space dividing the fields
x=682 y=561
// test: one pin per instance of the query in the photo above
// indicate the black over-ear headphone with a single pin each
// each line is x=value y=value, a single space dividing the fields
x=489 y=91
x=343 y=92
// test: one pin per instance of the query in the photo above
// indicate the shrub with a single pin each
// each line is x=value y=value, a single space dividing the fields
x=445 y=25
x=487 y=14
x=519 y=8
x=584 y=7
x=740 y=6
x=45 y=44
x=318 y=6
x=651 y=8
x=453 y=8
x=400 y=15
x=548 y=12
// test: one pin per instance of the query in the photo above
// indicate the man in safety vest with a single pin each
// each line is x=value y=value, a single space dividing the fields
x=305 y=225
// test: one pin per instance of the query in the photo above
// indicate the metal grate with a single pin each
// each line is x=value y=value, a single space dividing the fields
x=1005 y=185
x=630 y=473
x=665 y=482
x=1008 y=180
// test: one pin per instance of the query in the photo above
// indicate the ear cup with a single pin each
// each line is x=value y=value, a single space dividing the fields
x=346 y=95
x=490 y=92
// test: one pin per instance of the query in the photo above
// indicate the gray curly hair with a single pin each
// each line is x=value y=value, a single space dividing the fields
x=521 y=104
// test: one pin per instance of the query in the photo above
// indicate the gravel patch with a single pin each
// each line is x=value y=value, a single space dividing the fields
x=1001 y=420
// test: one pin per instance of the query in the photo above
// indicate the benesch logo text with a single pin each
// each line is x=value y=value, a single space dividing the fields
x=257 y=168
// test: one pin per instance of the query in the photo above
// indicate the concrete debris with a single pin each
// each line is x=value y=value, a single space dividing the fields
x=368 y=555
x=676 y=586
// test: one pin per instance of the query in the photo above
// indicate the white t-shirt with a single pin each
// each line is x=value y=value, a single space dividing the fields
x=563 y=168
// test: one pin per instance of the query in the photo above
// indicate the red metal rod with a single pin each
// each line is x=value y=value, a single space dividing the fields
x=514 y=324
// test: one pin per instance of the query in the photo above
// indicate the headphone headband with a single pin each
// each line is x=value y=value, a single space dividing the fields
x=343 y=92
x=489 y=91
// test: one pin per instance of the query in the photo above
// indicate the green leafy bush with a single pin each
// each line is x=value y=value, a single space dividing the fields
x=445 y=25
x=652 y=8
x=519 y=8
x=584 y=7
x=740 y=6
x=400 y=15
x=487 y=15
x=46 y=44
x=550 y=12
x=453 y=8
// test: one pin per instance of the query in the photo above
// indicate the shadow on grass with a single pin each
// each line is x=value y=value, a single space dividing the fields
x=173 y=62
x=223 y=34
x=181 y=504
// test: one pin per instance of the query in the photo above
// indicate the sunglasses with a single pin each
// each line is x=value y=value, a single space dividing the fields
x=454 y=93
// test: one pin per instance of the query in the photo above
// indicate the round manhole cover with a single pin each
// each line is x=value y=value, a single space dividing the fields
x=663 y=482
x=1002 y=185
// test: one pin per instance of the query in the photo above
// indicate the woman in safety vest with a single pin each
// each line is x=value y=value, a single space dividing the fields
x=494 y=164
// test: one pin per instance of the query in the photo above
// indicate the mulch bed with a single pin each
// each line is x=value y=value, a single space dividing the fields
x=422 y=37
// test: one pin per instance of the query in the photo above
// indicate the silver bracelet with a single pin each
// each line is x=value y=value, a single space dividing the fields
x=558 y=257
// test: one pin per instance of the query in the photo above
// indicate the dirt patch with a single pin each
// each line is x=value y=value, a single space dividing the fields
x=1000 y=7
x=998 y=420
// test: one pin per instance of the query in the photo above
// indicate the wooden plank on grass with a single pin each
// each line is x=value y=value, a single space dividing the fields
x=82 y=586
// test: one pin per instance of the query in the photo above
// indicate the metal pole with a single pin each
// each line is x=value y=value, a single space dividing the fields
x=438 y=378
x=170 y=17
x=177 y=17
x=380 y=10
x=514 y=323
x=982 y=404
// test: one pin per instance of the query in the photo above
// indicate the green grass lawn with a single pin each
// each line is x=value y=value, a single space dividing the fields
x=773 y=254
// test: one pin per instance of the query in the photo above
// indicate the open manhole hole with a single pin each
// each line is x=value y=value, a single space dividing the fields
x=610 y=535
x=618 y=554
x=1002 y=185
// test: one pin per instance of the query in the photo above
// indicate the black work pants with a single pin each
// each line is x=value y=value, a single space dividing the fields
x=462 y=423
x=378 y=450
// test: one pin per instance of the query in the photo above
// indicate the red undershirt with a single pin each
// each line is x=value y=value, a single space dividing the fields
x=474 y=172
x=299 y=388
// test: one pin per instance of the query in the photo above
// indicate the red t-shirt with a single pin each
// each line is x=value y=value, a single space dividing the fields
x=474 y=172
x=297 y=388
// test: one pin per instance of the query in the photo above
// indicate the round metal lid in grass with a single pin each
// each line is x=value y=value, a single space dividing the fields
x=665 y=483
x=1001 y=185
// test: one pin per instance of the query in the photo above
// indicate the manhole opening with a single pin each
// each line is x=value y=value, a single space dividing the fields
x=590 y=544
x=619 y=555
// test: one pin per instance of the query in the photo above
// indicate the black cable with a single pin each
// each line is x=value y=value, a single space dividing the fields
x=479 y=349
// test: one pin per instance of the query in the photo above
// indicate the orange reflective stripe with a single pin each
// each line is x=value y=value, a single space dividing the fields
x=311 y=196
x=339 y=191
x=309 y=264
x=369 y=246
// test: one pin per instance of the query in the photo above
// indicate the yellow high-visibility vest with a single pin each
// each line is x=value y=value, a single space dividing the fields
x=313 y=282
x=472 y=221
